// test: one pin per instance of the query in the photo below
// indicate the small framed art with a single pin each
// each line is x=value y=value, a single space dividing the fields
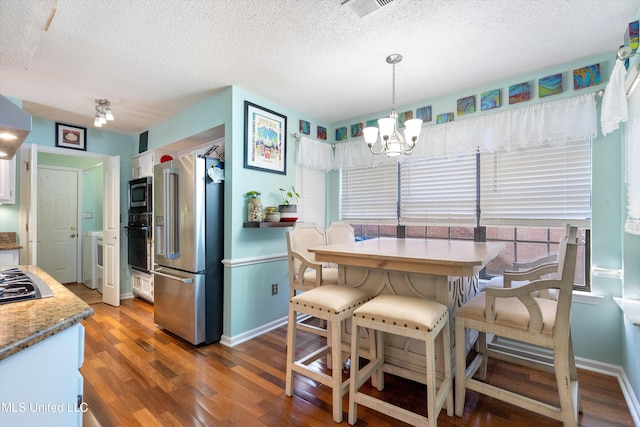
x=68 y=136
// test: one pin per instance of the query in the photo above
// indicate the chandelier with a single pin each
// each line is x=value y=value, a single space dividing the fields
x=391 y=142
x=103 y=112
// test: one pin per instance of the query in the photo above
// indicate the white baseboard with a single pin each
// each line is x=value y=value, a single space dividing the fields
x=543 y=354
x=246 y=336
x=128 y=295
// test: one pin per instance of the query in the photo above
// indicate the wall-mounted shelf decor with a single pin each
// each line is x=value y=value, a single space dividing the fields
x=264 y=224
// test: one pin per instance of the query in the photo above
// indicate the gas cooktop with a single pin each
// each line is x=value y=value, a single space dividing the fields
x=17 y=285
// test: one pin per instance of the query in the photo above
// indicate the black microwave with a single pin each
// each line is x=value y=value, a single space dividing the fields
x=140 y=195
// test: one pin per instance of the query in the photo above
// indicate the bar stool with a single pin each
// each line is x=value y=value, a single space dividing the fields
x=334 y=304
x=409 y=317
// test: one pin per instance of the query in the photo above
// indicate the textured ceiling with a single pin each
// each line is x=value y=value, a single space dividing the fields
x=154 y=58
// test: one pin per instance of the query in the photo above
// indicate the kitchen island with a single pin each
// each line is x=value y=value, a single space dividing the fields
x=41 y=351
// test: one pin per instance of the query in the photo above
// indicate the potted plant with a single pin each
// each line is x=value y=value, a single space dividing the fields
x=289 y=208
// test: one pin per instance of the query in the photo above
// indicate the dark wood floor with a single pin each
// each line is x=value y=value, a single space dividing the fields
x=137 y=375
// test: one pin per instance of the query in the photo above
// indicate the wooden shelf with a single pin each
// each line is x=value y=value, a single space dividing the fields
x=265 y=224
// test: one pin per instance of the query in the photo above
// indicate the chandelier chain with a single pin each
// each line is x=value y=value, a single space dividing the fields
x=393 y=90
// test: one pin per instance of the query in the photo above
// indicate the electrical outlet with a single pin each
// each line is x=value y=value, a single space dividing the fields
x=274 y=289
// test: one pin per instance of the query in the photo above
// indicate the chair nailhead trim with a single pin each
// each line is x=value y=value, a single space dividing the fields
x=444 y=315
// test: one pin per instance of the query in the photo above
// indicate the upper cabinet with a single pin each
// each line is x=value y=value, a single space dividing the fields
x=8 y=181
x=142 y=164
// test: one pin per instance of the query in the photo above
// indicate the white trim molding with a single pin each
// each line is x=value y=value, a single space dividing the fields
x=510 y=347
x=631 y=309
x=243 y=262
x=246 y=336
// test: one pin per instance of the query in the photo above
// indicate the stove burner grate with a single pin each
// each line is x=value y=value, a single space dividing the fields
x=15 y=285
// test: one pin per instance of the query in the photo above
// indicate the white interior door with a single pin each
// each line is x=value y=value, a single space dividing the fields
x=28 y=204
x=111 y=232
x=58 y=223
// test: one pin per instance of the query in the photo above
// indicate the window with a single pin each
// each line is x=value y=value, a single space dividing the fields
x=370 y=195
x=439 y=191
x=526 y=197
x=537 y=186
x=311 y=185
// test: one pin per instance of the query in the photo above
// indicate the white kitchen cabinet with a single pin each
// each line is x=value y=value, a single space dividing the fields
x=8 y=181
x=142 y=285
x=42 y=385
x=9 y=257
x=142 y=164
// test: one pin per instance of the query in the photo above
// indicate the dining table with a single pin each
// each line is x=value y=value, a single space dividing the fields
x=446 y=271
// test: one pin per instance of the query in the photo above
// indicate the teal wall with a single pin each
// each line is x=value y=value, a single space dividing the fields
x=100 y=142
x=630 y=332
x=254 y=258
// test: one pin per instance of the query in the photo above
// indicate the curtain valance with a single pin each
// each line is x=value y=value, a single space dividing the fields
x=314 y=154
x=554 y=122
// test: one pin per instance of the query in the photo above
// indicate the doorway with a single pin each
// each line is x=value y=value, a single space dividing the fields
x=58 y=223
x=98 y=207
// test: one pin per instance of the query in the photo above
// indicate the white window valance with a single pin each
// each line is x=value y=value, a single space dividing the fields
x=355 y=154
x=314 y=154
x=553 y=122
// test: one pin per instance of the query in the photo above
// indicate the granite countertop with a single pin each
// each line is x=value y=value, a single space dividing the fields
x=8 y=241
x=25 y=323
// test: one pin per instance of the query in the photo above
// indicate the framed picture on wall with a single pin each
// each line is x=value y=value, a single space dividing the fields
x=264 y=139
x=68 y=136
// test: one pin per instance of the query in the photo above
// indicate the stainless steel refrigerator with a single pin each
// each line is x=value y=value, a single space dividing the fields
x=189 y=237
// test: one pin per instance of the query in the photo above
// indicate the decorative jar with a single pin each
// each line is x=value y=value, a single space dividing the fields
x=254 y=208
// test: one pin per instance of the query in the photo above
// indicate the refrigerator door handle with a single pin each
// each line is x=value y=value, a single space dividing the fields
x=171 y=212
x=169 y=276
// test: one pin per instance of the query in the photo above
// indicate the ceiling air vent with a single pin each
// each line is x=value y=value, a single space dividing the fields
x=364 y=7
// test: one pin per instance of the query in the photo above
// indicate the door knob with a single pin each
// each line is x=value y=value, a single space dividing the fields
x=73 y=235
x=72 y=228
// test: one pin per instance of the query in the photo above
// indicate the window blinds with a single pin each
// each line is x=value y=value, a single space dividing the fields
x=370 y=195
x=311 y=185
x=439 y=192
x=537 y=186
x=313 y=159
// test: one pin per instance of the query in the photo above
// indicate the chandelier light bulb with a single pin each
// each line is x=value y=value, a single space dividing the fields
x=370 y=135
x=109 y=114
x=97 y=123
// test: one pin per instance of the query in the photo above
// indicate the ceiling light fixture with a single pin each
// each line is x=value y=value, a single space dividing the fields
x=392 y=143
x=103 y=112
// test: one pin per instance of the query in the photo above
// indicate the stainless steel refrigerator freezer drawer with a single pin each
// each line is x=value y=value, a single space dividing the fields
x=179 y=303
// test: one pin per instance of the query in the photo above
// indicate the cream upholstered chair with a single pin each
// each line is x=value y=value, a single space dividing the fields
x=304 y=272
x=519 y=315
x=340 y=232
x=411 y=317
x=333 y=304
x=524 y=272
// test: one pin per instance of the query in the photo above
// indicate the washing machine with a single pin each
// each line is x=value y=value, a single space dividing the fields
x=90 y=258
